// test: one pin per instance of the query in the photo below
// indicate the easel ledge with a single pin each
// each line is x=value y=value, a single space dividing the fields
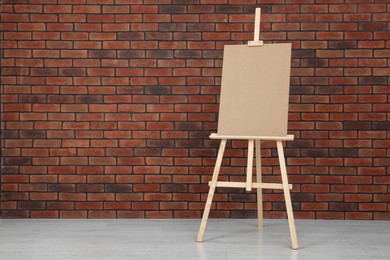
x=273 y=138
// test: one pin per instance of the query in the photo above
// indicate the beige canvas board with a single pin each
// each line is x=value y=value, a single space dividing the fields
x=255 y=90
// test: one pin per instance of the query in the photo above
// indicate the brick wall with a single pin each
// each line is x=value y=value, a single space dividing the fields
x=108 y=104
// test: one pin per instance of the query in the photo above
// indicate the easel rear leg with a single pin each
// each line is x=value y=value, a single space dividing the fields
x=258 y=180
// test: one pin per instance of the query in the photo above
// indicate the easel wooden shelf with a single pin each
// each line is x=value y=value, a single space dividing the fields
x=253 y=142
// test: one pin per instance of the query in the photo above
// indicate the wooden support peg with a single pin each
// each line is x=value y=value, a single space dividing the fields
x=256 y=36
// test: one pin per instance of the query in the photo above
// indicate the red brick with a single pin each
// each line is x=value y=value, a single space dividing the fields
x=57 y=8
x=145 y=205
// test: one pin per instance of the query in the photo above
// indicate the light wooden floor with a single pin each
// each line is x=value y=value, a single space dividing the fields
x=175 y=239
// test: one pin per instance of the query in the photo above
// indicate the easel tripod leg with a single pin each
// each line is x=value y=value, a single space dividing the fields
x=249 y=166
x=258 y=180
x=286 y=190
x=211 y=190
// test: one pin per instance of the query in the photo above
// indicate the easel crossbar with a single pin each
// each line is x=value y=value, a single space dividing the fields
x=230 y=184
x=264 y=138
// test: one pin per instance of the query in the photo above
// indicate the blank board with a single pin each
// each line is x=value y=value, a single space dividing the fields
x=255 y=90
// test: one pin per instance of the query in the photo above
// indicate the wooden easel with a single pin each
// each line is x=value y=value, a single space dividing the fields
x=253 y=141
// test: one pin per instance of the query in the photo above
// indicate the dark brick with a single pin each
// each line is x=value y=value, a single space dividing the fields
x=250 y=9
x=72 y=72
x=60 y=205
x=60 y=99
x=147 y=152
x=343 y=152
x=281 y=206
x=188 y=126
x=131 y=54
x=160 y=143
x=199 y=135
x=343 y=206
x=172 y=9
x=159 y=54
x=373 y=80
x=373 y=26
x=200 y=27
x=9 y=169
x=316 y=63
x=32 y=98
x=316 y=152
x=131 y=36
x=357 y=125
x=119 y=188
x=304 y=197
x=301 y=54
x=102 y=54
x=17 y=161
x=157 y=90
x=90 y=188
x=329 y=90
x=299 y=143
x=158 y=36
x=32 y=205
x=15 y=213
x=185 y=54
x=14 y=1
x=89 y=99
x=381 y=126
x=242 y=198
x=174 y=188
x=228 y=9
x=9 y=134
x=172 y=27
x=32 y=134
x=243 y=214
x=189 y=143
x=131 y=90
x=215 y=54
x=62 y=187
x=342 y=45
x=187 y=2
x=43 y=72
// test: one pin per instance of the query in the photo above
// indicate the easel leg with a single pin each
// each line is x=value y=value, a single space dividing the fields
x=249 y=166
x=211 y=191
x=259 y=190
x=286 y=190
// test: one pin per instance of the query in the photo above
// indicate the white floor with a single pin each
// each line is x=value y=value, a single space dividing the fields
x=238 y=239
